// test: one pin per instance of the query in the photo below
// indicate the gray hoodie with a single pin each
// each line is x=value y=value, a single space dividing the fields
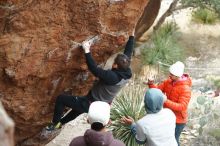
x=95 y=138
x=153 y=100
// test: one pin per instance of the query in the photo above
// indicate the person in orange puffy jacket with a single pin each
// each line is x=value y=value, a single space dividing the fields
x=178 y=91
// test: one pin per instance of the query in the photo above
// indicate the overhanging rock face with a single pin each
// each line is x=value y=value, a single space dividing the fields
x=40 y=57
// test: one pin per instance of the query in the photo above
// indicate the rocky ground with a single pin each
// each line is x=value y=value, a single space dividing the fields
x=71 y=130
x=202 y=48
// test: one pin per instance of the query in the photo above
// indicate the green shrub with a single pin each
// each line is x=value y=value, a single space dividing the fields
x=215 y=133
x=128 y=103
x=209 y=4
x=215 y=81
x=205 y=16
x=164 y=48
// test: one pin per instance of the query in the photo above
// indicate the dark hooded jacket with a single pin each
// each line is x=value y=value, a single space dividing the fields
x=110 y=81
x=95 y=138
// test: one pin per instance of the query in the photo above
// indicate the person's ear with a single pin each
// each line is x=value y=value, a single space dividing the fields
x=109 y=122
x=114 y=65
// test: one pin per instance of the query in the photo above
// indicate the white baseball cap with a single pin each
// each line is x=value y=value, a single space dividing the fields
x=177 y=69
x=99 y=111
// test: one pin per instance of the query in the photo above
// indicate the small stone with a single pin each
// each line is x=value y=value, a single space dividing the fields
x=193 y=131
x=10 y=72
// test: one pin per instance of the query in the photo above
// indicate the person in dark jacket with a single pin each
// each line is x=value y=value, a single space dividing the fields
x=105 y=89
x=98 y=117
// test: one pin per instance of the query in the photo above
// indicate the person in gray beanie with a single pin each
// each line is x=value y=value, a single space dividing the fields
x=157 y=128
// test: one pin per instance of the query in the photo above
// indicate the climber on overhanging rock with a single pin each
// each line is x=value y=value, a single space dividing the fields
x=105 y=89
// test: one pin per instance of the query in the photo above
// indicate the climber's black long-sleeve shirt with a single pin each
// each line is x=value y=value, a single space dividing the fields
x=112 y=76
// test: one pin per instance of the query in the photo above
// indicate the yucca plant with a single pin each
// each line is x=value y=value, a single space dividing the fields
x=128 y=103
x=164 y=48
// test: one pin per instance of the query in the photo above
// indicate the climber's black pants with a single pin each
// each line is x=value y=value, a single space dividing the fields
x=79 y=105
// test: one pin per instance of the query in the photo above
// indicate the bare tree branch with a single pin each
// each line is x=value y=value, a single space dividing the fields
x=166 y=14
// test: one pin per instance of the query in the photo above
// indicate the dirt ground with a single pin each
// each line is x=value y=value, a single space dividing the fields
x=202 y=48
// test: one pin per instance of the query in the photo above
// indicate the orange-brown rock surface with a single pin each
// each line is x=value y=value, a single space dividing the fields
x=39 y=57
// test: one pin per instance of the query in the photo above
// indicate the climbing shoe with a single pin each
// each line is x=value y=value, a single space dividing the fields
x=53 y=126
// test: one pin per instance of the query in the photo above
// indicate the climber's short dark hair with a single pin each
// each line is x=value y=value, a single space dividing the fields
x=122 y=61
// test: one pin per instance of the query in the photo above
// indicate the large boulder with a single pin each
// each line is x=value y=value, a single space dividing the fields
x=40 y=57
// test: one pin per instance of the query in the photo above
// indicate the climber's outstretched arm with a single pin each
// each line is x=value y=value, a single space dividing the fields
x=108 y=76
x=130 y=45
